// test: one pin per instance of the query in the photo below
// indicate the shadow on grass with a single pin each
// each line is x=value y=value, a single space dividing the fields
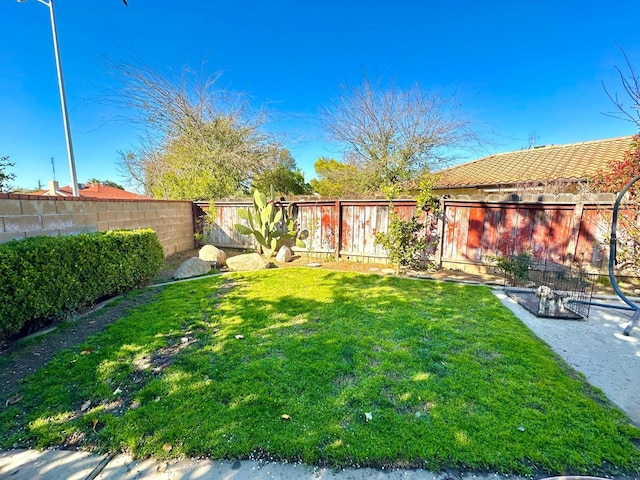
x=328 y=368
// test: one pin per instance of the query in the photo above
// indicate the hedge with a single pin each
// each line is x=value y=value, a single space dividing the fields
x=45 y=278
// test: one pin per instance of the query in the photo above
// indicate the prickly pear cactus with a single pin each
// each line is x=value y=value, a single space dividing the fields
x=264 y=224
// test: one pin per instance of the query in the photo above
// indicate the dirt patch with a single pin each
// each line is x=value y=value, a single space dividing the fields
x=345 y=266
x=23 y=357
x=628 y=284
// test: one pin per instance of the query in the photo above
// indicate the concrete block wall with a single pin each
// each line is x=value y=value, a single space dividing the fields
x=24 y=216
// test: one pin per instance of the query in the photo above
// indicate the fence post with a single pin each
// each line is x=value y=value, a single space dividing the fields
x=440 y=230
x=338 y=229
x=572 y=244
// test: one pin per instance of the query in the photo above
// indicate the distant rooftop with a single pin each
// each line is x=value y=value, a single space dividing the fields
x=90 y=190
x=572 y=162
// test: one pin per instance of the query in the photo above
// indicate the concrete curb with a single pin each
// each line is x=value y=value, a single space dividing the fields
x=71 y=465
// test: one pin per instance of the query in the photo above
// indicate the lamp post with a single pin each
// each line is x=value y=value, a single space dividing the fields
x=63 y=99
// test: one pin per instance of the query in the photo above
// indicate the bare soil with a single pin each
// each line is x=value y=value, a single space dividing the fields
x=22 y=357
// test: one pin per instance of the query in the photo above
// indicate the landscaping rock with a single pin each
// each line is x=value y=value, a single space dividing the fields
x=192 y=268
x=247 y=262
x=210 y=253
x=284 y=254
x=388 y=271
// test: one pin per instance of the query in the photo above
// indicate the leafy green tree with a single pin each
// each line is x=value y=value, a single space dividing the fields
x=402 y=240
x=5 y=177
x=406 y=240
x=392 y=134
x=199 y=141
x=336 y=179
x=285 y=176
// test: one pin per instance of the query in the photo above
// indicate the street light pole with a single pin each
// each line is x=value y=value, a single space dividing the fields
x=63 y=99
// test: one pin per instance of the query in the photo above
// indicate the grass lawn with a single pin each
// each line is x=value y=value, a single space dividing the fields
x=328 y=368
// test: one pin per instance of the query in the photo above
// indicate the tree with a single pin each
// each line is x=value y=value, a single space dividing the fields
x=107 y=183
x=613 y=180
x=198 y=142
x=619 y=172
x=407 y=240
x=284 y=175
x=390 y=134
x=336 y=179
x=622 y=171
x=5 y=177
x=629 y=109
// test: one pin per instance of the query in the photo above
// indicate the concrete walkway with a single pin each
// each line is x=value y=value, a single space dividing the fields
x=596 y=347
x=69 y=465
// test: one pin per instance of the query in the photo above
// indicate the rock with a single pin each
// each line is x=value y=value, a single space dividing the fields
x=284 y=254
x=314 y=264
x=388 y=271
x=192 y=268
x=212 y=254
x=246 y=262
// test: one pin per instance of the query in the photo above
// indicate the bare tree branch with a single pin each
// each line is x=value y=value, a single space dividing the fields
x=394 y=133
x=631 y=86
x=199 y=141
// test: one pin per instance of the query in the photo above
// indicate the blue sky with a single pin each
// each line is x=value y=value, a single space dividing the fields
x=520 y=67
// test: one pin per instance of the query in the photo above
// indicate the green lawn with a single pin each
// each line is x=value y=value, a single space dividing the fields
x=450 y=378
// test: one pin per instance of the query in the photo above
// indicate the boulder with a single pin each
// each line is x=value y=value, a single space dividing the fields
x=246 y=262
x=212 y=254
x=284 y=254
x=192 y=268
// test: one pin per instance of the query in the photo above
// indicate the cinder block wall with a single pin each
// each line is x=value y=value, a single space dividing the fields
x=30 y=215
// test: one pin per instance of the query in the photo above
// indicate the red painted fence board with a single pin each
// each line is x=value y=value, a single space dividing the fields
x=468 y=231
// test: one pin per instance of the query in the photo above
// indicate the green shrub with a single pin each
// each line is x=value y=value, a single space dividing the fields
x=516 y=265
x=401 y=241
x=44 y=278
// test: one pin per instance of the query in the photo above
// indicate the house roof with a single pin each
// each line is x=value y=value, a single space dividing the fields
x=94 y=190
x=572 y=162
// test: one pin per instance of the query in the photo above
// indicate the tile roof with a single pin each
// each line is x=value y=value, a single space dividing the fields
x=572 y=162
x=95 y=190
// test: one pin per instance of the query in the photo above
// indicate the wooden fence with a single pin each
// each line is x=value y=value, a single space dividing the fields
x=561 y=233
x=467 y=233
x=338 y=228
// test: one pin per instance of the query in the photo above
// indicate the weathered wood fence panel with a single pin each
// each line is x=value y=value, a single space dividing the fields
x=472 y=231
x=594 y=225
x=336 y=228
x=222 y=232
x=359 y=225
x=468 y=231
x=320 y=219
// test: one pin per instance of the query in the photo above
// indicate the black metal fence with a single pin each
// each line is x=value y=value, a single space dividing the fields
x=553 y=290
